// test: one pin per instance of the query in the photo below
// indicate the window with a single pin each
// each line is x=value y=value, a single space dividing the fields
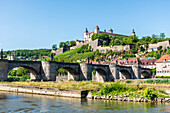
x=164 y=60
x=168 y=59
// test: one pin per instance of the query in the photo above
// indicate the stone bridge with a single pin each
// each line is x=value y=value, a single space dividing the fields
x=46 y=70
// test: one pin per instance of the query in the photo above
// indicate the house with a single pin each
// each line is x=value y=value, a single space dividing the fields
x=163 y=66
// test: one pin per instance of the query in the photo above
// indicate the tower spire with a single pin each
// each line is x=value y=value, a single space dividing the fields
x=133 y=32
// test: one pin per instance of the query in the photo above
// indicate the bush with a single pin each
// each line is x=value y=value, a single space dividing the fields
x=164 y=81
x=24 y=78
x=149 y=94
x=13 y=78
x=128 y=81
x=71 y=80
x=116 y=87
x=162 y=77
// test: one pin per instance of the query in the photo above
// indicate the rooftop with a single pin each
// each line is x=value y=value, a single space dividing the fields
x=164 y=58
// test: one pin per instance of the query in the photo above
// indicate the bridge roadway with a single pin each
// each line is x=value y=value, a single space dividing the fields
x=46 y=70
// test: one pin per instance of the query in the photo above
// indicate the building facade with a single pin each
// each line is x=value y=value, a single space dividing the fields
x=163 y=66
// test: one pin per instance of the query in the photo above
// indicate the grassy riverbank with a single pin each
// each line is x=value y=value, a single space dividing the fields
x=83 y=85
x=113 y=89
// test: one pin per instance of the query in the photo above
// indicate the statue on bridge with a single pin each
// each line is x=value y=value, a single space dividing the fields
x=51 y=57
x=1 y=54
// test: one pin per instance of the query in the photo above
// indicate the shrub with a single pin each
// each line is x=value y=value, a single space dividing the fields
x=116 y=87
x=71 y=80
x=24 y=78
x=13 y=78
x=149 y=94
x=128 y=81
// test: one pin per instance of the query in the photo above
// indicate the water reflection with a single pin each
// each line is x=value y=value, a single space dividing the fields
x=20 y=102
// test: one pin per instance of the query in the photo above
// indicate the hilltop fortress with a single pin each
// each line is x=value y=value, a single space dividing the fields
x=95 y=44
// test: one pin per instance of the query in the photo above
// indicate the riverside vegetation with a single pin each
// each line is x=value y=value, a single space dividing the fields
x=109 y=90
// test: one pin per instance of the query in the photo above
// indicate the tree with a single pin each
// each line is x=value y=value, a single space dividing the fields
x=61 y=44
x=54 y=47
x=104 y=43
x=22 y=71
x=162 y=35
x=72 y=43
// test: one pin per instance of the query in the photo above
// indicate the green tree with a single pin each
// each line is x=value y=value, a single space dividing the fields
x=12 y=72
x=104 y=43
x=54 y=47
x=22 y=71
x=162 y=35
x=61 y=44
x=72 y=43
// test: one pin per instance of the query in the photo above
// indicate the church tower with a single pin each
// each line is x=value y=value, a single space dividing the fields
x=133 y=33
x=96 y=30
x=110 y=31
x=86 y=35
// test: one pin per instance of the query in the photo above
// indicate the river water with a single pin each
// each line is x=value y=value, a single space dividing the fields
x=20 y=102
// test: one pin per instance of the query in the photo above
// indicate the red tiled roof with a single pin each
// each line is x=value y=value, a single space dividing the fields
x=148 y=61
x=165 y=58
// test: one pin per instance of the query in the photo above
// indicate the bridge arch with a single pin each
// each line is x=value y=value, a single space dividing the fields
x=124 y=74
x=34 y=75
x=72 y=73
x=100 y=75
x=145 y=74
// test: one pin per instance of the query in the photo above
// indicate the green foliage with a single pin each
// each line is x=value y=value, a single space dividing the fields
x=13 y=78
x=22 y=71
x=54 y=47
x=75 y=54
x=32 y=54
x=16 y=78
x=162 y=77
x=24 y=77
x=154 y=54
x=101 y=36
x=154 y=71
x=71 y=80
x=116 y=87
x=72 y=43
x=162 y=35
x=128 y=81
x=128 y=56
x=168 y=52
x=62 y=71
x=163 y=81
x=149 y=94
x=12 y=72
x=94 y=72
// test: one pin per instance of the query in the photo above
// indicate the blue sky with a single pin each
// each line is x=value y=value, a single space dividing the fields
x=34 y=24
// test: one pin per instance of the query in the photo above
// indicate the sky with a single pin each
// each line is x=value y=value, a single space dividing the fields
x=37 y=24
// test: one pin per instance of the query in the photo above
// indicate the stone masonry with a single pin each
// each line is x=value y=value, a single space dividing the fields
x=46 y=70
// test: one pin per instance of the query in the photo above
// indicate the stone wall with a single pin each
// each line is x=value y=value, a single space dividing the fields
x=96 y=45
x=164 y=45
x=44 y=91
x=77 y=46
x=60 y=50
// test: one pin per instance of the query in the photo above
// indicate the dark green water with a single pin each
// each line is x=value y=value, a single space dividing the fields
x=31 y=103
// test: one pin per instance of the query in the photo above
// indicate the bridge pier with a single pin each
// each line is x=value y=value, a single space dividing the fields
x=137 y=72
x=114 y=72
x=3 y=70
x=86 y=71
x=49 y=70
